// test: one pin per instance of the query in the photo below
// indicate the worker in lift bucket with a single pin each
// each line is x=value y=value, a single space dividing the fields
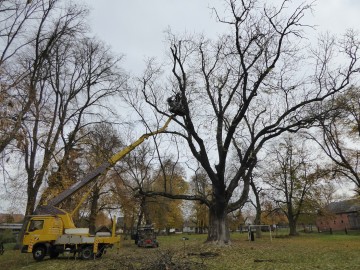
x=175 y=105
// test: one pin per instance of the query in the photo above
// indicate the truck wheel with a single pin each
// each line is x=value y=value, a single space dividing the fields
x=87 y=253
x=39 y=253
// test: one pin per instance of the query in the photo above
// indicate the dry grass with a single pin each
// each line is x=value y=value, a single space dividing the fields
x=308 y=251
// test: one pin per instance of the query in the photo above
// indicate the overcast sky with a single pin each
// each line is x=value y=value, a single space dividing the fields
x=136 y=28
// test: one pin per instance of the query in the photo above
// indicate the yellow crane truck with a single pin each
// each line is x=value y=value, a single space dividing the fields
x=51 y=231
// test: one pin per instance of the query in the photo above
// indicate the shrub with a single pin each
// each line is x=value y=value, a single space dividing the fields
x=7 y=236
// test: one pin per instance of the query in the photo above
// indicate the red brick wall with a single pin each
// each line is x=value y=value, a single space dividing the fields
x=6 y=218
x=336 y=222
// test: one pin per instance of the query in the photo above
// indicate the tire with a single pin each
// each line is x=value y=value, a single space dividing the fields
x=39 y=253
x=87 y=253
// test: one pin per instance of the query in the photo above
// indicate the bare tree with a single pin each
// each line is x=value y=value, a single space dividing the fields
x=136 y=171
x=17 y=20
x=41 y=130
x=72 y=76
x=340 y=132
x=83 y=78
x=243 y=90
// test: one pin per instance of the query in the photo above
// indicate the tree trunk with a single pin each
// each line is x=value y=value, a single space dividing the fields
x=292 y=226
x=31 y=200
x=201 y=227
x=140 y=217
x=144 y=212
x=257 y=220
x=93 y=210
x=30 y=207
x=218 y=227
x=145 y=206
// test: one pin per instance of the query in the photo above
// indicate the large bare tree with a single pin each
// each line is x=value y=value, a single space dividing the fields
x=252 y=84
x=42 y=125
x=72 y=75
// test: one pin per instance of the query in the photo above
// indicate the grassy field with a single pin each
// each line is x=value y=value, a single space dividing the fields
x=307 y=251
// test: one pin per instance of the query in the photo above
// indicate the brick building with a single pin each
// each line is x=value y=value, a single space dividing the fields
x=340 y=216
x=11 y=218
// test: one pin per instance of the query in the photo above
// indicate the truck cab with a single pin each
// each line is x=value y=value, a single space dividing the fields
x=40 y=233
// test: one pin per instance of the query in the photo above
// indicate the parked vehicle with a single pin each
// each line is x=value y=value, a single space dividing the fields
x=146 y=237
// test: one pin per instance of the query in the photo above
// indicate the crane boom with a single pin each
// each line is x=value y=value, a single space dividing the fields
x=50 y=207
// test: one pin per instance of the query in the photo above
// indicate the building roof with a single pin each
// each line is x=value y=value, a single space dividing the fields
x=347 y=206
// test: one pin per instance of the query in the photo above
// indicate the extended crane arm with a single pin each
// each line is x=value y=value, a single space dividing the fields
x=105 y=166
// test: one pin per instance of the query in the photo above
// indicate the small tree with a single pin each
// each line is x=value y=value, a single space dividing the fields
x=135 y=171
x=293 y=178
x=102 y=141
x=164 y=212
x=201 y=186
